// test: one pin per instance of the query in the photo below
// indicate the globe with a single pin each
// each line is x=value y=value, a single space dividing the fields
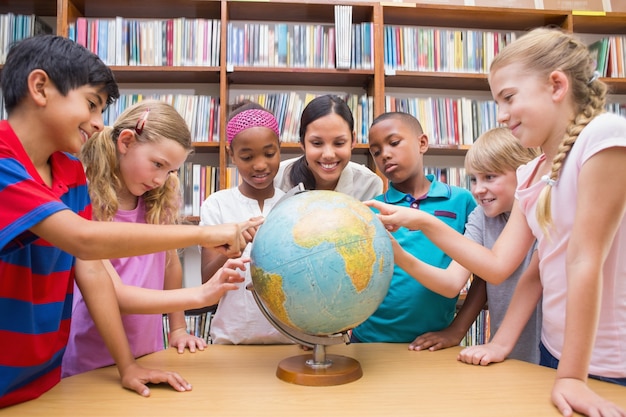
x=321 y=263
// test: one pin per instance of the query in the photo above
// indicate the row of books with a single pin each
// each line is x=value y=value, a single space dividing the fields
x=198 y=181
x=15 y=27
x=479 y=332
x=196 y=42
x=197 y=325
x=446 y=120
x=456 y=176
x=610 y=57
x=617 y=108
x=158 y=42
x=287 y=108
x=412 y=48
x=201 y=112
x=294 y=45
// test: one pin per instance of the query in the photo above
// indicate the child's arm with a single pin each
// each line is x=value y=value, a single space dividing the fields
x=178 y=336
x=212 y=260
x=99 y=294
x=493 y=265
x=104 y=240
x=136 y=300
x=525 y=298
x=600 y=207
x=453 y=334
x=447 y=282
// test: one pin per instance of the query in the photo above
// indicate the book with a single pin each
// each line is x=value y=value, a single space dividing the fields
x=343 y=36
x=81 y=31
x=599 y=51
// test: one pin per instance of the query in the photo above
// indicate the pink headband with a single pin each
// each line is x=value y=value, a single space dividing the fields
x=250 y=118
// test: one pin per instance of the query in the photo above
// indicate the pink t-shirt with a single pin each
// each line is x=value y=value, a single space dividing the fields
x=86 y=349
x=609 y=351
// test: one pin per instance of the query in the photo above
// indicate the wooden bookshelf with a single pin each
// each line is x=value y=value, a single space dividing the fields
x=470 y=17
x=38 y=7
x=159 y=75
x=375 y=82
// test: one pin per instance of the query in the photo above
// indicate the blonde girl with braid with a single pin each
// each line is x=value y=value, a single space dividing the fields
x=572 y=200
x=131 y=168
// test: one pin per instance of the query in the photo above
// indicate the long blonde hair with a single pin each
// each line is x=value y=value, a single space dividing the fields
x=100 y=157
x=545 y=50
x=497 y=150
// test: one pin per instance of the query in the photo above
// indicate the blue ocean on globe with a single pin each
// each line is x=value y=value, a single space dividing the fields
x=321 y=262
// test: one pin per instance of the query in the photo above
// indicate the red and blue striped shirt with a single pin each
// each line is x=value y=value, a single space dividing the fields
x=36 y=278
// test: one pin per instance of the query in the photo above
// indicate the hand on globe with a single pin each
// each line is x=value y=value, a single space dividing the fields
x=227 y=278
x=249 y=232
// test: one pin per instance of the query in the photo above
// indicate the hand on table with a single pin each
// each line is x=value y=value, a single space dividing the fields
x=180 y=339
x=483 y=354
x=136 y=377
x=570 y=394
x=435 y=340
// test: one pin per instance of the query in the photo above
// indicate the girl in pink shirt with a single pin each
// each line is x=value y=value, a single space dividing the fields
x=131 y=169
x=572 y=200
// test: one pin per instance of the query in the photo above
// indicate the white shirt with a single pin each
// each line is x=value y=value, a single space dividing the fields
x=356 y=180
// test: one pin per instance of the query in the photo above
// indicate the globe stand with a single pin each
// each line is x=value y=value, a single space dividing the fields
x=318 y=368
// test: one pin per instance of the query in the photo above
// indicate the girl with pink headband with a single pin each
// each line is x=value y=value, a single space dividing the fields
x=254 y=148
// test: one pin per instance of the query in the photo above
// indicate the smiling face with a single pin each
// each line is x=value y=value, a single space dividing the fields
x=494 y=192
x=256 y=153
x=328 y=144
x=146 y=165
x=529 y=104
x=73 y=118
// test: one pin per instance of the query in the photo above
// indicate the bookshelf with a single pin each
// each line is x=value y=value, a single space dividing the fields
x=377 y=81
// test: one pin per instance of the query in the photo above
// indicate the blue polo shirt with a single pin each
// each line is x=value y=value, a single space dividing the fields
x=409 y=309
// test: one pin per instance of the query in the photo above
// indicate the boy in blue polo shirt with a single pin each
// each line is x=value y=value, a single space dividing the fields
x=397 y=144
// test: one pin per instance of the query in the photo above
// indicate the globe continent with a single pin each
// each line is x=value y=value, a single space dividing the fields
x=321 y=262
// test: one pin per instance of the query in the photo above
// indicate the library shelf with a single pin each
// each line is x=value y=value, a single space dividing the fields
x=375 y=82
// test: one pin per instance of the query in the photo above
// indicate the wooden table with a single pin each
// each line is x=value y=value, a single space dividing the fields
x=240 y=381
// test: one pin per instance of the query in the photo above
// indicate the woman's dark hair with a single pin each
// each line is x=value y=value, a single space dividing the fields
x=318 y=107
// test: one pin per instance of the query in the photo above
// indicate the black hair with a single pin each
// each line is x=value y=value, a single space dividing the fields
x=68 y=64
x=318 y=107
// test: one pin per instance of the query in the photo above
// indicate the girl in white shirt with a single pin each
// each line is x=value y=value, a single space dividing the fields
x=254 y=148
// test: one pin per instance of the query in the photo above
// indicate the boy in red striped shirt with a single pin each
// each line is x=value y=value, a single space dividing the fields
x=55 y=92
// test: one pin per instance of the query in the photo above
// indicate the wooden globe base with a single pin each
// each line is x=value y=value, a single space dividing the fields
x=296 y=371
